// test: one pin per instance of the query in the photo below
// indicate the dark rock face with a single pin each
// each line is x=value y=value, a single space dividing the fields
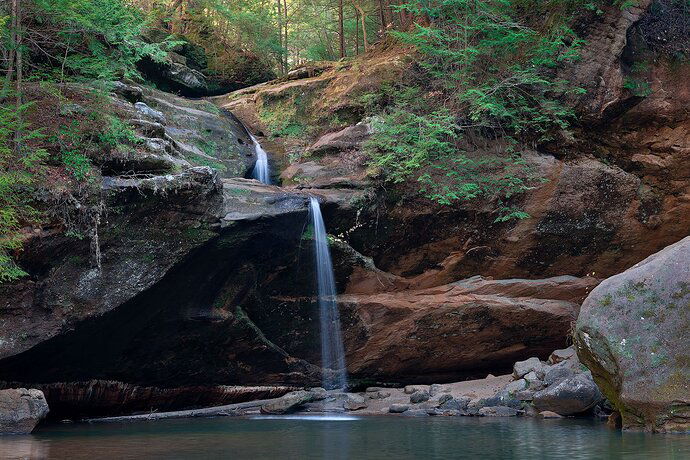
x=97 y=398
x=632 y=333
x=21 y=410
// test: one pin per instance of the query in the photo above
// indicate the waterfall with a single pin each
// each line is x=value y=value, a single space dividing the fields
x=261 y=171
x=332 y=350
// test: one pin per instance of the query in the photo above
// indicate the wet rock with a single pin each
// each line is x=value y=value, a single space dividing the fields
x=419 y=396
x=20 y=410
x=549 y=414
x=498 y=411
x=354 y=402
x=288 y=403
x=150 y=113
x=502 y=398
x=569 y=396
x=521 y=368
x=398 y=408
x=561 y=355
x=633 y=334
x=417 y=413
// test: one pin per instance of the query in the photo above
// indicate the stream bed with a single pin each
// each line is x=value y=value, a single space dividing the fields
x=343 y=438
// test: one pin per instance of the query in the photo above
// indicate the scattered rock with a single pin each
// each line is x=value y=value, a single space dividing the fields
x=458 y=404
x=569 y=396
x=533 y=382
x=71 y=109
x=561 y=355
x=419 y=396
x=131 y=93
x=319 y=393
x=148 y=112
x=502 y=398
x=632 y=333
x=398 y=408
x=354 y=402
x=516 y=386
x=417 y=413
x=21 y=410
x=524 y=395
x=378 y=393
x=409 y=389
x=444 y=398
x=436 y=389
x=549 y=414
x=497 y=411
x=521 y=368
x=558 y=372
x=289 y=402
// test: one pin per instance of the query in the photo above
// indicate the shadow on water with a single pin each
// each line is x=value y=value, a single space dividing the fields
x=362 y=438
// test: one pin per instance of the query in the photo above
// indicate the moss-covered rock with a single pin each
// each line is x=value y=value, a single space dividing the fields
x=632 y=333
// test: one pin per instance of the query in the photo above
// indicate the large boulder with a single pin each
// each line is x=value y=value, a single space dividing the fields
x=632 y=333
x=289 y=402
x=449 y=332
x=569 y=396
x=21 y=410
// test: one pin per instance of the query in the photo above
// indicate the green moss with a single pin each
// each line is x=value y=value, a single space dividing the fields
x=203 y=161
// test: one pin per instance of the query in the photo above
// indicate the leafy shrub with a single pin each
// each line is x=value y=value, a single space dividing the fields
x=486 y=70
x=20 y=166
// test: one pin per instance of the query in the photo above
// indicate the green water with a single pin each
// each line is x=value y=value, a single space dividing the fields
x=362 y=438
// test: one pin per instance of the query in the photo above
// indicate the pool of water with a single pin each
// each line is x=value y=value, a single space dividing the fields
x=349 y=438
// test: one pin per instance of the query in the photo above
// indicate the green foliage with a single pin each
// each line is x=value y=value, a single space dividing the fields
x=486 y=71
x=405 y=141
x=282 y=118
x=413 y=141
x=20 y=165
x=93 y=38
x=117 y=132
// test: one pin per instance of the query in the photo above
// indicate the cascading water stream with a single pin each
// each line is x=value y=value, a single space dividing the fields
x=332 y=350
x=261 y=171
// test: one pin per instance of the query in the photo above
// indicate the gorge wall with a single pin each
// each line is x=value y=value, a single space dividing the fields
x=205 y=279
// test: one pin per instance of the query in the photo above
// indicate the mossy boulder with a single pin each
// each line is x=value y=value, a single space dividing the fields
x=632 y=333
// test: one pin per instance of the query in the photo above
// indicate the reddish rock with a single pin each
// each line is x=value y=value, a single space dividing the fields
x=444 y=332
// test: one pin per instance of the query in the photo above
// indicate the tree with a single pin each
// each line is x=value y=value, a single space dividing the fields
x=341 y=32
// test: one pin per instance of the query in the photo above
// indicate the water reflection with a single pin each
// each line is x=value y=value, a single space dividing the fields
x=16 y=447
x=301 y=437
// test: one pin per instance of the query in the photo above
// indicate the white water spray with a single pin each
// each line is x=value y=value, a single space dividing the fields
x=332 y=350
x=261 y=171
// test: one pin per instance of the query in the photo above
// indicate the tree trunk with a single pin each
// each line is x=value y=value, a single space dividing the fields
x=356 y=33
x=382 y=12
x=363 y=19
x=280 y=34
x=341 y=30
x=287 y=51
x=18 y=41
x=13 y=47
